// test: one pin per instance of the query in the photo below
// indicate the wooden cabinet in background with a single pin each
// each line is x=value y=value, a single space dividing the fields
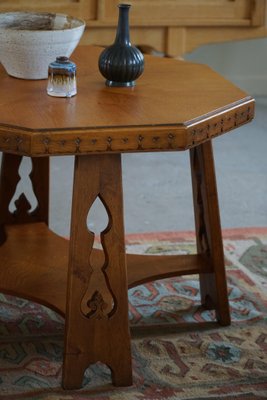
x=171 y=26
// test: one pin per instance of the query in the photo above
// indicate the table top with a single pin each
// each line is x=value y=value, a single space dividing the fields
x=175 y=105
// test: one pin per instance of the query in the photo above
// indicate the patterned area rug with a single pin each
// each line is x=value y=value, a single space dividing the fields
x=170 y=361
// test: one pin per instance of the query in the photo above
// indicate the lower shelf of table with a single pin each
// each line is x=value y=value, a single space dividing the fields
x=34 y=263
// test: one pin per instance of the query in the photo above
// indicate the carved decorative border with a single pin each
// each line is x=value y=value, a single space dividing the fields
x=132 y=139
x=220 y=124
x=12 y=140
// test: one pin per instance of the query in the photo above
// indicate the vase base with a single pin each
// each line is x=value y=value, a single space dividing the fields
x=120 y=84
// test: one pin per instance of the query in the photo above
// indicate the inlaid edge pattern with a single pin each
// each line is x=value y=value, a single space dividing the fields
x=133 y=139
x=13 y=141
x=220 y=124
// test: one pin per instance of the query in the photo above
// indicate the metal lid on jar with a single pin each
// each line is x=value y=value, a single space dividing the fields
x=64 y=63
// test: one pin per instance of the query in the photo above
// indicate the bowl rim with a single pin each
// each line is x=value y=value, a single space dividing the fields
x=82 y=22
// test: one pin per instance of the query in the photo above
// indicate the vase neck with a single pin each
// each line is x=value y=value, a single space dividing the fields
x=123 y=34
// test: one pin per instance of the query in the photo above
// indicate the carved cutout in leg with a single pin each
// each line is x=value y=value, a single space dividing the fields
x=97 y=326
x=208 y=231
x=9 y=180
x=98 y=303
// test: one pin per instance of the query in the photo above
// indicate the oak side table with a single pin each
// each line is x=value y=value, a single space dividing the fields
x=175 y=106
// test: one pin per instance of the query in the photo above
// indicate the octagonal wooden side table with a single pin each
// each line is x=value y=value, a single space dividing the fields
x=175 y=106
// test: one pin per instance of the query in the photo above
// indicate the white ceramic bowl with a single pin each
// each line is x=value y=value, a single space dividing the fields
x=30 y=41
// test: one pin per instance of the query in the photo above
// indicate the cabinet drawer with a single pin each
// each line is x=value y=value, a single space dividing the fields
x=182 y=12
x=85 y=9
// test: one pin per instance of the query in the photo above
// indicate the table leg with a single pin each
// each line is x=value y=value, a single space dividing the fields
x=97 y=326
x=208 y=231
x=9 y=179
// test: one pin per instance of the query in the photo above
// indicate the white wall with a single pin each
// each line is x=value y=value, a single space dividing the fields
x=242 y=62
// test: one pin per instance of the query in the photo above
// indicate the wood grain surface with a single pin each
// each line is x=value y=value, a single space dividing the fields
x=174 y=106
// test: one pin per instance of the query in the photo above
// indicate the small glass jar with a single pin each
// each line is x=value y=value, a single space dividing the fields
x=62 y=78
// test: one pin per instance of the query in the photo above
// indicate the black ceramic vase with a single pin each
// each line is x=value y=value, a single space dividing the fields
x=121 y=64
